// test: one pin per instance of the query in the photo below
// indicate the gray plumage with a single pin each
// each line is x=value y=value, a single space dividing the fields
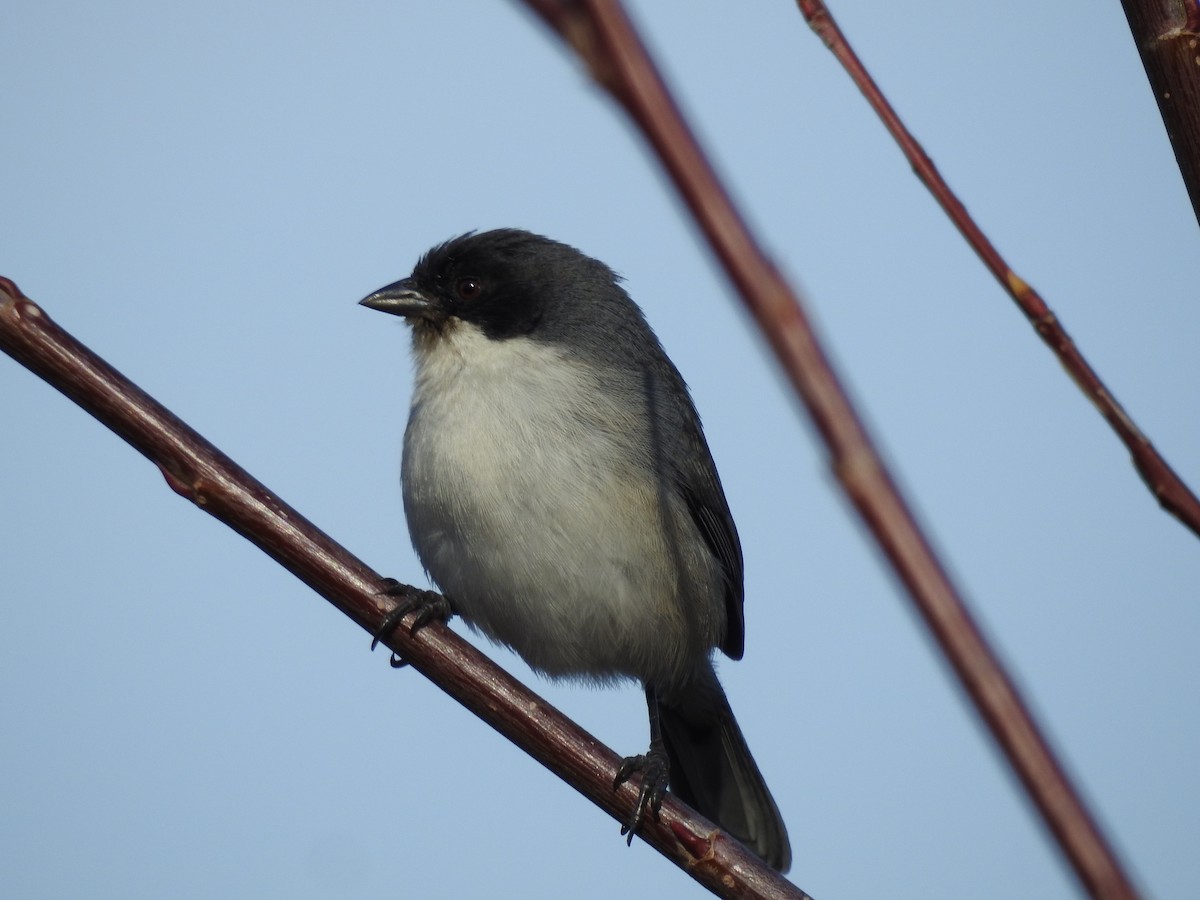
x=559 y=490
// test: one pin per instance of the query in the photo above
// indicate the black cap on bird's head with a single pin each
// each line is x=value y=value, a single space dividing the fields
x=507 y=282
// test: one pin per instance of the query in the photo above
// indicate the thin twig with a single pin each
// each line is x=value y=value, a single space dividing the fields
x=198 y=471
x=1167 y=33
x=1170 y=490
x=603 y=36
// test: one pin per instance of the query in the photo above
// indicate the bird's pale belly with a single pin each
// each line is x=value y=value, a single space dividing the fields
x=535 y=543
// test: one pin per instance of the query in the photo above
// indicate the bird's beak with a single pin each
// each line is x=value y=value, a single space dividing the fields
x=403 y=298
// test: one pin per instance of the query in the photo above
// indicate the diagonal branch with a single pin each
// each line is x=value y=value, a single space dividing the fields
x=1170 y=490
x=602 y=35
x=1166 y=33
x=200 y=472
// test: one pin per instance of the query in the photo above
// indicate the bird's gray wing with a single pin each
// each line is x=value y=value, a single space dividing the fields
x=701 y=489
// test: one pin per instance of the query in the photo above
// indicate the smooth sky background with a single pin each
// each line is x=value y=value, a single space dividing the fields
x=202 y=194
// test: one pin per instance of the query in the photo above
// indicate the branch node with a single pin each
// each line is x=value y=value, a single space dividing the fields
x=187 y=486
x=699 y=847
x=1016 y=284
x=175 y=482
x=8 y=286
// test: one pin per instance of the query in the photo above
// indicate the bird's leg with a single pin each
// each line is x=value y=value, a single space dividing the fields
x=428 y=606
x=655 y=769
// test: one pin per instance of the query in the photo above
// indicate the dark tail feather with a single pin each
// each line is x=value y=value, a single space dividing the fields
x=712 y=770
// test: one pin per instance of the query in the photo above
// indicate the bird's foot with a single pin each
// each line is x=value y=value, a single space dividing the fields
x=655 y=769
x=428 y=606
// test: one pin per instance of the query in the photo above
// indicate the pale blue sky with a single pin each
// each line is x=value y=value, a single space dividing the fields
x=202 y=194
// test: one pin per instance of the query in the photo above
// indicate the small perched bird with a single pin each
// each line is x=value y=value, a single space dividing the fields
x=560 y=492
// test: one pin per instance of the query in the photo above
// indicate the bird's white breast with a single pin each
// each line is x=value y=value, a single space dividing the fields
x=528 y=506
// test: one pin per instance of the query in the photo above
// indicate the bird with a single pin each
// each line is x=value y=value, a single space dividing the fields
x=560 y=492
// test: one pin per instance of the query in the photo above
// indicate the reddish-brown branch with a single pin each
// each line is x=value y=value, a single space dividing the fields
x=601 y=33
x=1170 y=490
x=201 y=473
x=1167 y=34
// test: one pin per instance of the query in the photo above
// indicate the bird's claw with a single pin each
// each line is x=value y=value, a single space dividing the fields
x=655 y=770
x=428 y=606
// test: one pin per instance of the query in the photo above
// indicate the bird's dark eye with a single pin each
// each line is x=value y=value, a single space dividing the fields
x=468 y=288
